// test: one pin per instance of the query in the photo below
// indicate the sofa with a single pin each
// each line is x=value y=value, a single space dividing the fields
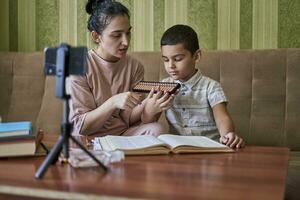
x=262 y=87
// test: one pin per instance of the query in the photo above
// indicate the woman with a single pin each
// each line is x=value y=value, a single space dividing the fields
x=101 y=103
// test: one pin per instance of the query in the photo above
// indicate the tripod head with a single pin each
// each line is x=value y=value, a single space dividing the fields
x=63 y=61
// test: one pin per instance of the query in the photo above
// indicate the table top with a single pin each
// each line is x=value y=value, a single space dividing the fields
x=254 y=172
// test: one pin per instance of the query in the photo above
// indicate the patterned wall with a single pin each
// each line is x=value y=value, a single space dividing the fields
x=30 y=25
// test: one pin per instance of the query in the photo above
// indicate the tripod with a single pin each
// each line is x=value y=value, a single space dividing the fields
x=63 y=140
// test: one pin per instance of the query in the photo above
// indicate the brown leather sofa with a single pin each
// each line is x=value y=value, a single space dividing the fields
x=262 y=87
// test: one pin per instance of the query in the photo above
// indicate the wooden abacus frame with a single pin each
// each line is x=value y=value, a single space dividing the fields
x=146 y=86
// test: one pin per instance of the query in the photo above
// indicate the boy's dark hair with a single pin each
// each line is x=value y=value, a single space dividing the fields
x=102 y=12
x=181 y=34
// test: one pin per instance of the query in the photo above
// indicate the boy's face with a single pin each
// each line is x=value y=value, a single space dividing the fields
x=179 y=62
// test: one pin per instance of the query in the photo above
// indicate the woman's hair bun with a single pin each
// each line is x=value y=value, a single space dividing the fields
x=91 y=5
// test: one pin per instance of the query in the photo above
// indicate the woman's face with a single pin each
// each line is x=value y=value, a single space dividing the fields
x=114 y=40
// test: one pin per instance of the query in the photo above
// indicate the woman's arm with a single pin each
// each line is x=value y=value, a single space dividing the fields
x=85 y=114
x=136 y=113
x=97 y=117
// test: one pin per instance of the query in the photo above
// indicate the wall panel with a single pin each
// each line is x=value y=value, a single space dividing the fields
x=228 y=24
x=265 y=24
x=26 y=25
x=245 y=24
x=4 y=23
x=47 y=23
x=220 y=24
x=289 y=23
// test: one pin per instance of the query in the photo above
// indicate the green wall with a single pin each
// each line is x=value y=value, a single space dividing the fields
x=4 y=25
x=31 y=25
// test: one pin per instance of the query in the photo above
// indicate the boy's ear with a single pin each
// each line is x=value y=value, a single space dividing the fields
x=95 y=37
x=198 y=55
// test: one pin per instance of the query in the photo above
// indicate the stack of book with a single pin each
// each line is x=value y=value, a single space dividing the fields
x=17 y=139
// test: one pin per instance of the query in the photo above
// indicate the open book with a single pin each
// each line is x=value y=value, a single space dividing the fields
x=163 y=144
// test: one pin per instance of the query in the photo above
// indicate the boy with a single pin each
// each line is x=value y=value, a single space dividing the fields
x=199 y=108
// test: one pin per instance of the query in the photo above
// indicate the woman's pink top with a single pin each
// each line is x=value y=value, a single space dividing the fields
x=102 y=80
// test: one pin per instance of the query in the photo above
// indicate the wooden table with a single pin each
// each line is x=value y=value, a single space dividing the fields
x=251 y=173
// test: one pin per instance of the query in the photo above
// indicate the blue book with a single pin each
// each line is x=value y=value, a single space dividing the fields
x=14 y=129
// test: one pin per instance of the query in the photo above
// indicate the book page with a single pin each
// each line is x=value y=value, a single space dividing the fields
x=111 y=142
x=195 y=141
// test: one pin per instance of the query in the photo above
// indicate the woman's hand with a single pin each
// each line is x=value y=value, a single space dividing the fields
x=126 y=100
x=232 y=140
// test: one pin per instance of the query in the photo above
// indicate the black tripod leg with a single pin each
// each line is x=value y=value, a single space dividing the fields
x=89 y=153
x=51 y=157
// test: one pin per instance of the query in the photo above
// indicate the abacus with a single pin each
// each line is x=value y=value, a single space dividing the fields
x=146 y=86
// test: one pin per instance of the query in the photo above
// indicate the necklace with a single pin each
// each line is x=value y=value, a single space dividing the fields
x=111 y=61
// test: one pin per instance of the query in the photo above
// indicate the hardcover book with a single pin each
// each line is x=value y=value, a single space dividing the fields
x=13 y=129
x=21 y=145
x=163 y=144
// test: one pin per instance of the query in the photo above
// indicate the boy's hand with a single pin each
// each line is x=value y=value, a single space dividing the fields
x=156 y=103
x=232 y=140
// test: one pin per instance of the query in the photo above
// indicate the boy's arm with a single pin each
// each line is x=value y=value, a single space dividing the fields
x=226 y=127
